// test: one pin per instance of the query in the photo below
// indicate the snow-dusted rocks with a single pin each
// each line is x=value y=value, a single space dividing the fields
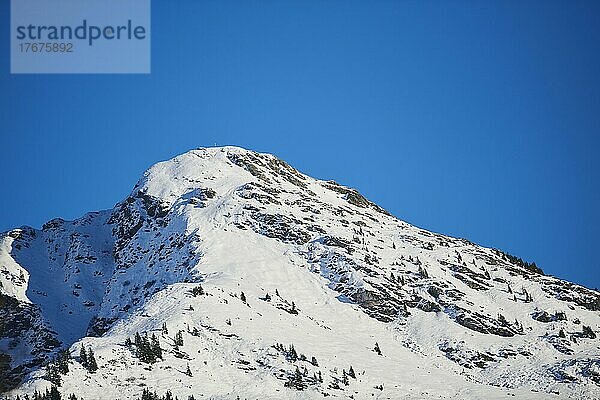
x=228 y=273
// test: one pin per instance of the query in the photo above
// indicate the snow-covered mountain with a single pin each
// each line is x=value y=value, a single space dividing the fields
x=240 y=276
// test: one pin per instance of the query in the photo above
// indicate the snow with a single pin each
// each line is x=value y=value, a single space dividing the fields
x=238 y=221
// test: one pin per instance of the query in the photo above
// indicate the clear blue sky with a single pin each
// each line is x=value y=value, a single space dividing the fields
x=474 y=119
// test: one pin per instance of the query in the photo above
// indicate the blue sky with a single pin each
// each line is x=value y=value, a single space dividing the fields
x=475 y=119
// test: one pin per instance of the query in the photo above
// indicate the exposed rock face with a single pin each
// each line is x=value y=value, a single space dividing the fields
x=283 y=259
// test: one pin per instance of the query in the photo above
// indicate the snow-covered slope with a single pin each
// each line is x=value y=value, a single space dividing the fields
x=283 y=260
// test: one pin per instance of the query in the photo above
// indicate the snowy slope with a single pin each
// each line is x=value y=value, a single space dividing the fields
x=452 y=319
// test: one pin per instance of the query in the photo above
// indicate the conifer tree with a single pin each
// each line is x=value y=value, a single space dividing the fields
x=54 y=393
x=83 y=357
x=198 y=290
x=92 y=365
x=155 y=345
x=377 y=349
x=179 y=338
x=345 y=378
x=62 y=361
x=351 y=373
x=52 y=374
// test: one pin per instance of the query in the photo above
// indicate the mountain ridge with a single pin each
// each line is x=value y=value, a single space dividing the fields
x=234 y=221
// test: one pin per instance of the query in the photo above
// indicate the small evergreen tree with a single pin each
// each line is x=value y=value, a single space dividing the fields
x=588 y=332
x=52 y=374
x=376 y=349
x=561 y=333
x=83 y=357
x=292 y=353
x=314 y=362
x=243 y=297
x=155 y=346
x=92 y=365
x=351 y=373
x=62 y=361
x=345 y=378
x=54 y=393
x=188 y=372
x=198 y=290
x=179 y=338
x=296 y=380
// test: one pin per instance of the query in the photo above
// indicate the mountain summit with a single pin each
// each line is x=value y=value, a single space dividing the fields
x=227 y=273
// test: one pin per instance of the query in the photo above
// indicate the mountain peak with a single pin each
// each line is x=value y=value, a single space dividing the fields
x=244 y=269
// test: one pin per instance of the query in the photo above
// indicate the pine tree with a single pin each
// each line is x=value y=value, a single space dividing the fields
x=587 y=332
x=296 y=380
x=92 y=366
x=53 y=374
x=155 y=345
x=165 y=331
x=72 y=397
x=377 y=349
x=197 y=290
x=314 y=362
x=292 y=353
x=320 y=377
x=345 y=378
x=83 y=357
x=179 y=338
x=62 y=361
x=351 y=373
x=147 y=395
x=243 y=297
x=54 y=393
x=188 y=372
